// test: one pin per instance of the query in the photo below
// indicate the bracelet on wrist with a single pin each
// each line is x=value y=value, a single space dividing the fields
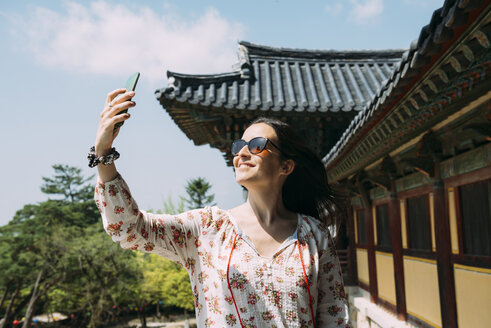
x=108 y=159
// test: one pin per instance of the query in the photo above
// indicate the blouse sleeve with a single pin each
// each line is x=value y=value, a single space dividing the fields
x=172 y=236
x=332 y=309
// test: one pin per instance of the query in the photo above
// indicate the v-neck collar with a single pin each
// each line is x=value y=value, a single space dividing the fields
x=287 y=242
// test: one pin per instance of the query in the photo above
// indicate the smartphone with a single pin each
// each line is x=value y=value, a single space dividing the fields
x=130 y=86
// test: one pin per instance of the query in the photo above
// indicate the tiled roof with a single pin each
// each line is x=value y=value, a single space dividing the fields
x=280 y=79
x=450 y=57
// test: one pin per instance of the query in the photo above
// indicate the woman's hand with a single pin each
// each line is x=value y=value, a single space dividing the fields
x=109 y=117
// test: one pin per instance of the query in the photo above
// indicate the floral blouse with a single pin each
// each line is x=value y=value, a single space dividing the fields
x=233 y=285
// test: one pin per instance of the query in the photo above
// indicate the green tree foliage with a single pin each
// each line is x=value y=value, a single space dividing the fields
x=106 y=275
x=69 y=182
x=197 y=193
x=166 y=281
x=36 y=243
x=55 y=256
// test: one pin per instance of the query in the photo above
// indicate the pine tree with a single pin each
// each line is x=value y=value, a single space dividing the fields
x=69 y=182
x=197 y=191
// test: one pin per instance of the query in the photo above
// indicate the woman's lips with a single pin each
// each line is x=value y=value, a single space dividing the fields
x=246 y=164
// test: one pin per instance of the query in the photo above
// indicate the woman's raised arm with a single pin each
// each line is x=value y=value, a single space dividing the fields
x=172 y=236
x=106 y=132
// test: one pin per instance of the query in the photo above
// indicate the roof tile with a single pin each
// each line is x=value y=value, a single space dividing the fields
x=280 y=79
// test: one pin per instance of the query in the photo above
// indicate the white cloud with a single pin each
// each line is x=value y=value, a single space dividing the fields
x=110 y=39
x=424 y=3
x=365 y=11
x=334 y=9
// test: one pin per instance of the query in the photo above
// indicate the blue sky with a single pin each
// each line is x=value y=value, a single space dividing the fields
x=59 y=59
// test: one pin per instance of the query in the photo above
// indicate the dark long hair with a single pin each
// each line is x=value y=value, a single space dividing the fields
x=306 y=190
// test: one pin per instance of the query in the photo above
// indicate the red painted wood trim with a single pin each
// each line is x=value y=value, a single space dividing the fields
x=419 y=191
x=352 y=268
x=419 y=253
x=372 y=269
x=396 y=240
x=382 y=248
x=473 y=260
x=443 y=255
x=470 y=177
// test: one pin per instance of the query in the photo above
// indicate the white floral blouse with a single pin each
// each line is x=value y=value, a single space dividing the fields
x=233 y=285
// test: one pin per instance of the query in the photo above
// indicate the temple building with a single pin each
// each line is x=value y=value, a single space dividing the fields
x=407 y=133
x=318 y=92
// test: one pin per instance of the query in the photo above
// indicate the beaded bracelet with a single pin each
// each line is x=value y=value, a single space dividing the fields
x=108 y=159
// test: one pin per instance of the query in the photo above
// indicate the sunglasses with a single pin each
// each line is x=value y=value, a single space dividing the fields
x=255 y=145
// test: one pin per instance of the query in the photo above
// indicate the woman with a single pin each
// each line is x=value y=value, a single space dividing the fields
x=269 y=262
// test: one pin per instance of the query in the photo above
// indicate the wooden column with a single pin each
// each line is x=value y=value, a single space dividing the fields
x=352 y=274
x=396 y=239
x=367 y=209
x=443 y=256
x=372 y=269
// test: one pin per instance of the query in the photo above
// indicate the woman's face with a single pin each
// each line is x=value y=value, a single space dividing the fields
x=263 y=169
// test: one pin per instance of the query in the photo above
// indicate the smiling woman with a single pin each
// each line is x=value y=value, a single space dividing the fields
x=268 y=262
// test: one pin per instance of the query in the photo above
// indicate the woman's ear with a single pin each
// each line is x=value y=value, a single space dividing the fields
x=287 y=167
